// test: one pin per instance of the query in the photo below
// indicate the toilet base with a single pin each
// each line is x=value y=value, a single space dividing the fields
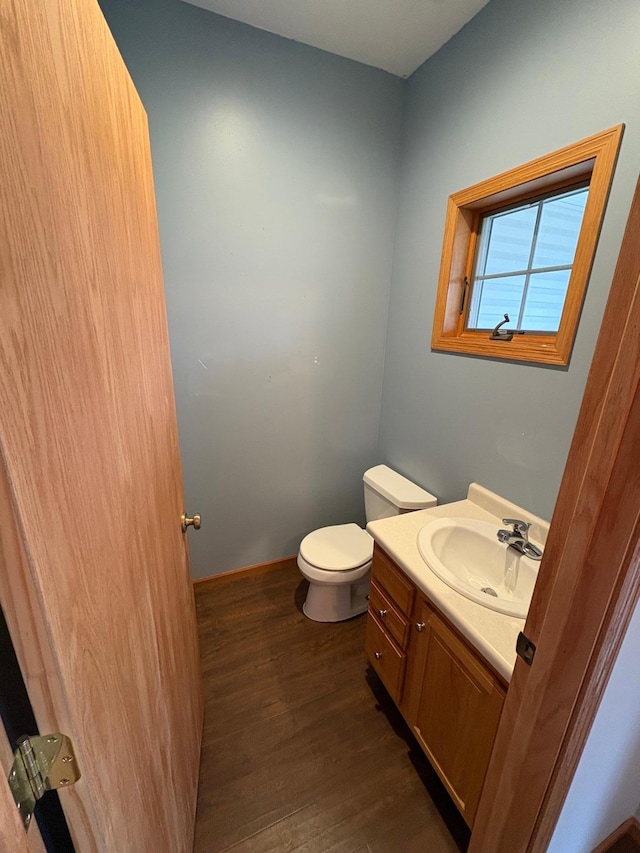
x=336 y=602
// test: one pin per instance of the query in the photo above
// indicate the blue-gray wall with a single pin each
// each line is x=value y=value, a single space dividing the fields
x=520 y=80
x=279 y=173
x=276 y=169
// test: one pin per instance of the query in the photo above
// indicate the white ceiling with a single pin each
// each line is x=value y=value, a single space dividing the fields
x=395 y=35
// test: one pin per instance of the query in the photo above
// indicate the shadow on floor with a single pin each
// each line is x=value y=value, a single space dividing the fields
x=454 y=821
x=301 y=594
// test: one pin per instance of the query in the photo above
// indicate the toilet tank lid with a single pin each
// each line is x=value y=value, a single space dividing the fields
x=397 y=489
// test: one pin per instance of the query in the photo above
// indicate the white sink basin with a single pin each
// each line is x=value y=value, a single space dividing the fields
x=467 y=556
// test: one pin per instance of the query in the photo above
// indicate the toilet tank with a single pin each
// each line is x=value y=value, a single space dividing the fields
x=388 y=493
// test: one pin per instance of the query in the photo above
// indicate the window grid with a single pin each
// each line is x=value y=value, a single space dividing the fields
x=478 y=281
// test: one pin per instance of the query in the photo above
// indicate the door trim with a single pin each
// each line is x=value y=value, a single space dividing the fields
x=588 y=588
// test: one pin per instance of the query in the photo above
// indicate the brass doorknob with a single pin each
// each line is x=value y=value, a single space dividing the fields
x=190 y=522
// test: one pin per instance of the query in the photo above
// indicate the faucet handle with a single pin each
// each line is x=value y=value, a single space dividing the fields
x=520 y=527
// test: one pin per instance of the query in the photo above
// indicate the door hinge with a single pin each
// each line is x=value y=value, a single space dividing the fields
x=525 y=648
x=41 y=763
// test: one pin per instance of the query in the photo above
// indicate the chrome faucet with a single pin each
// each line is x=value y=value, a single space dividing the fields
x=518 y=538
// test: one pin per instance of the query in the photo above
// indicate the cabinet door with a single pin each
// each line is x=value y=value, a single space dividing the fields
x=457 y=711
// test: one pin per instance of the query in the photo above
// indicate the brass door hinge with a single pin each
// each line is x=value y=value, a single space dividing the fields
x=41 y=763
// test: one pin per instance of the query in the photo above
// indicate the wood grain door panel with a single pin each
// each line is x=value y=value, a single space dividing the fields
x=95 y=576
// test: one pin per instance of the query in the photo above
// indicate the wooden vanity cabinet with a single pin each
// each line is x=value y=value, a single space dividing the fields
x=448 y=694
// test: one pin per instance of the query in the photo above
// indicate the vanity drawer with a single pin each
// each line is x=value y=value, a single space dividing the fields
x=397 y=586
x=385 y=612
x=386 y=658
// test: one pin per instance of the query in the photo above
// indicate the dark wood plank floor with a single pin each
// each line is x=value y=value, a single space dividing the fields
x=303 y=750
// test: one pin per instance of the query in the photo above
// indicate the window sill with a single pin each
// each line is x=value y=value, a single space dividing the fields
x=543 y=349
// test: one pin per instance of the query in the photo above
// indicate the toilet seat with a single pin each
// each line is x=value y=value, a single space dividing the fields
x=339 y=548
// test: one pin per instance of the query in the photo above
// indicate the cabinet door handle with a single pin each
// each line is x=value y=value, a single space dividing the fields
x=377 y=655
x=420 y=626
x=382 y=613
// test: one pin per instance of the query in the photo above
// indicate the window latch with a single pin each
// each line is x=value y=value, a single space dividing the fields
x=465 y=287
x=506 y=335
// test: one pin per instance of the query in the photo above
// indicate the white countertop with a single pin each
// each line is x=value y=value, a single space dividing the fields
x=492 y=633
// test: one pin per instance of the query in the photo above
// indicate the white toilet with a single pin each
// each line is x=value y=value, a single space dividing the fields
x=336 y=560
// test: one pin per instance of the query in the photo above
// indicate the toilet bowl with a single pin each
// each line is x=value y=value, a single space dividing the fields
x=336 y=560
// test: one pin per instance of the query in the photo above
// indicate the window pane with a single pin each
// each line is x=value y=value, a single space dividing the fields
x=493 y=299
x=559 y=229
x=545 y=301
x=509 y=236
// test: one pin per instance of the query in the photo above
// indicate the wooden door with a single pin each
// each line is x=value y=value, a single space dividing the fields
x=457 y=710
x=94 y=574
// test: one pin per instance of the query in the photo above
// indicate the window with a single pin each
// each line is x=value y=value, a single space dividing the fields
x=523 y=263
x=522 y=245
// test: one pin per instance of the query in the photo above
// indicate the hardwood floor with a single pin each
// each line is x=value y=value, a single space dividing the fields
x=303 y=750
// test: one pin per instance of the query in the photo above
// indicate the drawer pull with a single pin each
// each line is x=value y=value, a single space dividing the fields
x=420 y=626
x=382 y=613
x=377 y=655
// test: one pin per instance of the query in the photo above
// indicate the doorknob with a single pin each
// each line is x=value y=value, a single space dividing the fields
x=190 y=522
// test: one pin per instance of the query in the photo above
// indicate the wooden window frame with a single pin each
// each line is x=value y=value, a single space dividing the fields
x=593 y=160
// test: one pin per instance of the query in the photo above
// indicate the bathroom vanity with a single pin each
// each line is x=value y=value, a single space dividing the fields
x=445 y=660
